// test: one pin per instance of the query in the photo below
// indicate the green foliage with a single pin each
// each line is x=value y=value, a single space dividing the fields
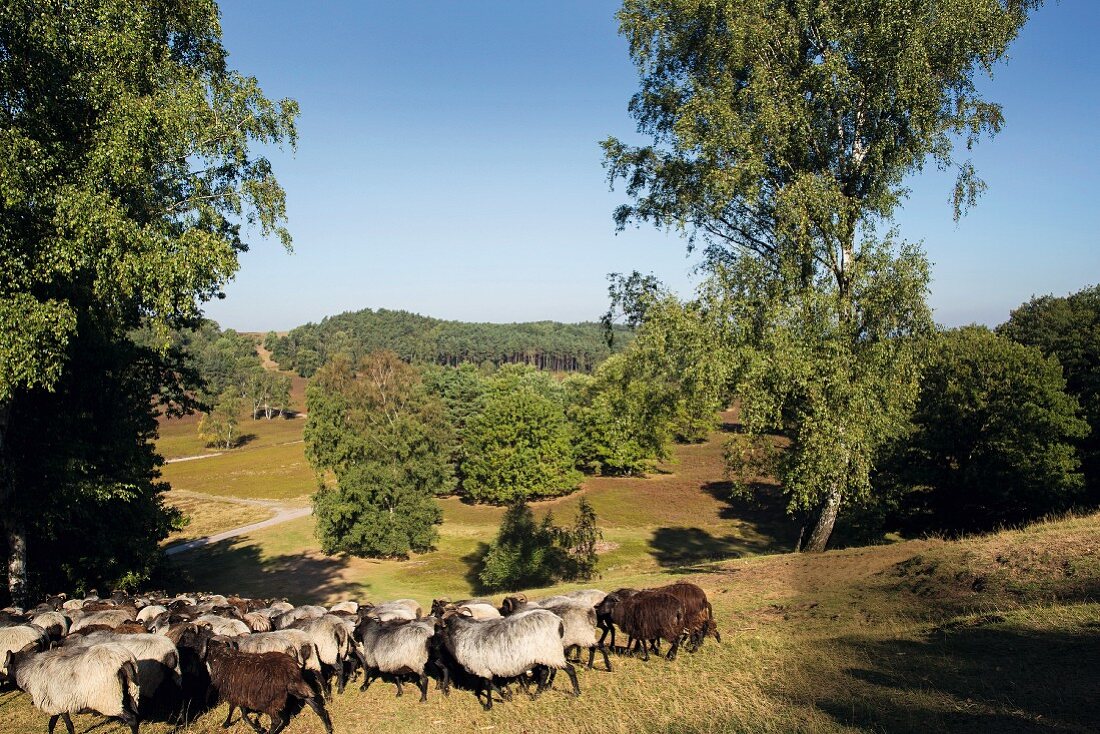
x=220 y=426
x=127 y=170
x=992 y=437
x=387 y=441
x=420 y=339
x=527 y=554
x=518 y=445
x=1069 y=328
x=376 y=511
x=524 y=555
x=125 y=179
x=86 y=483
x=782 y=134
x=582 y=541
x=837 y=388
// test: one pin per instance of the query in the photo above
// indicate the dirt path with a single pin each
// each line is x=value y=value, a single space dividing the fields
x=283 y=513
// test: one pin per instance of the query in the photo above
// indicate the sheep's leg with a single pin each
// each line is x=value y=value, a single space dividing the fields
x=645 y=650
x=368 y=678
x=130 y=719
x=68 y=723
x=672 y=650
x=397 y=680
x=319 y=709
x=591 y=656
x=493 y=687
x=53 y=722
x=487 y=684
x=254 y=724
x=341 y=677
x=277 y=724
x=229 y=717
x=445 y=673
x=573 y=678
x=606 y=659
x=423 y=685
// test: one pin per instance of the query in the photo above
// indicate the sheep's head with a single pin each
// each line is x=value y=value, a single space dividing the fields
x=440 y=606
x=512 y=603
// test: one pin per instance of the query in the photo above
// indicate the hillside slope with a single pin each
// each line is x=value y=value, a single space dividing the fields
x=994 y=633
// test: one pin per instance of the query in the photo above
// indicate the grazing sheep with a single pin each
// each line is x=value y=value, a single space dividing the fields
x=257 y=622
x=399 y=648
x=262 y=683
x=223 y=626
x=333 y=639
x=66 y=681
x=150 y=612
x=55 y=624
x=407 y=609
x=580 y=629
x=293 y=642
x=110 y=617
x=609 y=613
x=479 y=608
x=651 y=616
x=156 y=655
x=698 y=612
x=588 y=597
x=17 y=637
x=507 y=647
x=286 y=619
x=345 y=606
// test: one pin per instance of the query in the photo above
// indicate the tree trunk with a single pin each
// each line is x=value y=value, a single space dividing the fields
x=14 y=531
x=823 y=528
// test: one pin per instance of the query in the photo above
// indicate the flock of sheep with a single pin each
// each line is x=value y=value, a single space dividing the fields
x=123 y=656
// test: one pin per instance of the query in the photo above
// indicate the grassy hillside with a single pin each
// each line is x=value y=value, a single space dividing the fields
x=995 y=633
x=678 y=516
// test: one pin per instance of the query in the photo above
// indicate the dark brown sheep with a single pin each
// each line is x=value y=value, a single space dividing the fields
x=261 y=683
x=651 y=616
x=697 y=611
x=609 y=613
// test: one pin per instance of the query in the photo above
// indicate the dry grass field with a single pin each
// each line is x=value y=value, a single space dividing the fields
x=990 y=634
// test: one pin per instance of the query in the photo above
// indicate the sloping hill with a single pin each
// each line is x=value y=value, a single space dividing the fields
x=995 y=633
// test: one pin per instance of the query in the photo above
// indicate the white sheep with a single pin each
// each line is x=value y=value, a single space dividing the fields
x=17 y=637
x=223 y=625
x=333 y=639
x=406 y=609
x=55 y=624
x=157 y=658
x=109 y=617
x=286 y=619
x=508 y=647
x=293 y=642
x=70 y=680
x=398 y=648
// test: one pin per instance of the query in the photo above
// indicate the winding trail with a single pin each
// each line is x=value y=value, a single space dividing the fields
x=283 y=514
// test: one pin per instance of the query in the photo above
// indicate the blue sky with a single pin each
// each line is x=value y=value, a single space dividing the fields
x=448 y=164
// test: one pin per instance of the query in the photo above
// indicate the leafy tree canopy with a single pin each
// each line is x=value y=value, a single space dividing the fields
x=518 y=446
x=781 y=135
x=386 y=440
x=126 y=181
x=1068 y=328
x=992 y=437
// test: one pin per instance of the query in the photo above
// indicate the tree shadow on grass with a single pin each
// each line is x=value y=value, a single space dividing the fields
x=475 y=563
x=764 y=507
x=976 y=679
x=680 y=546
x=236 y=566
